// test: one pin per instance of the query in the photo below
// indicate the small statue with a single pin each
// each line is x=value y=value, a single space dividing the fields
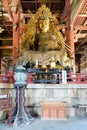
x=52 y=63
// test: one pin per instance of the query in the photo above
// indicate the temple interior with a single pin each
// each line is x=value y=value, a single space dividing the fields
x=43 y=60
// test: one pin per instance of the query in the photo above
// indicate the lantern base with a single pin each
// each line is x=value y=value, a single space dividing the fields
x=21 y=115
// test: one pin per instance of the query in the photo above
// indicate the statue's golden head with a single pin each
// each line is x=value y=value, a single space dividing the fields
x=43 y=23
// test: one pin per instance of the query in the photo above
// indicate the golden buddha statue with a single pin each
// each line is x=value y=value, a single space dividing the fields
x=43 y=39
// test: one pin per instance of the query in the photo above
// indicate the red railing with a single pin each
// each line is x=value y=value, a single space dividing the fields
x=77 y=78
x=7 y=77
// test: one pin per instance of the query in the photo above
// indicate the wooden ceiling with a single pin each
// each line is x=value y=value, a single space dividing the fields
x=80 y=26
x=78 y=19
x=33 y=5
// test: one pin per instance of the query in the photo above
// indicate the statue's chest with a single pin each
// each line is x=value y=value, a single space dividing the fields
x=44 y=37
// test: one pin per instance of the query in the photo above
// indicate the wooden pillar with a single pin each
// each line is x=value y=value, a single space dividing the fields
x=78 y=59
x=14 y=16
x=67 y=5
x=70 y=35
x=0 y=54
x=72 y=48
x=69 y=31
x=15 y=43
x=16 y=24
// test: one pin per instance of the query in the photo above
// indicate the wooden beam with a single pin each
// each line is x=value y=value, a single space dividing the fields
x=80 y=27
x=80 y=35
x=6 y=25
x=5 y=38
x=6 y=47
x=82 y=15
x=27 y=15
x=43 y=1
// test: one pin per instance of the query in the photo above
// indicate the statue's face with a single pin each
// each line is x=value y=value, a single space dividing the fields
x=43 y=25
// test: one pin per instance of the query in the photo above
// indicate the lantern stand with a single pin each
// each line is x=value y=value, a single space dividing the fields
x=20 y=84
